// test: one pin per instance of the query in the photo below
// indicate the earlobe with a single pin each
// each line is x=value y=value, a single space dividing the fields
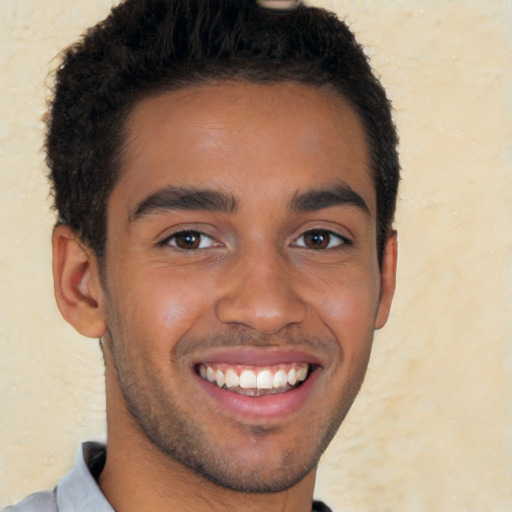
x=387 y=280
x=77 y=284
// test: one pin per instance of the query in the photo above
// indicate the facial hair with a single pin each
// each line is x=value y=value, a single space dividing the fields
x=160 y=415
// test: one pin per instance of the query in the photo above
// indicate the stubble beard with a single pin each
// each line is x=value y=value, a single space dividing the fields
x=170 y=429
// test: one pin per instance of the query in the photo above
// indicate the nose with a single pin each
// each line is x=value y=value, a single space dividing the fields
x=259 y=292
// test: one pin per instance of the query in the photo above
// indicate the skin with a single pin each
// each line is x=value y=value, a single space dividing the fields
x=258 y=282
x=278 y=4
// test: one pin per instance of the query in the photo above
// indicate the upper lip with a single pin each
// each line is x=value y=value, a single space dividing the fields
x=258 y=356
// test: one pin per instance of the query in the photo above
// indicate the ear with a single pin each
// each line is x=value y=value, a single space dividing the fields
x=77 y=284
x=387 y=280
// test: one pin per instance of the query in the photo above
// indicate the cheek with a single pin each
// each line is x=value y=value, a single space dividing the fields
x=162 y=308
x=348 y=309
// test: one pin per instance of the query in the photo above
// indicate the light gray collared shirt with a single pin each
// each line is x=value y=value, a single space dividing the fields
x=78 y=491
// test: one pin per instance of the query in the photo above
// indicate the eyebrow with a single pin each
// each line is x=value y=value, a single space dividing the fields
x=185 y=198
x=338 y=195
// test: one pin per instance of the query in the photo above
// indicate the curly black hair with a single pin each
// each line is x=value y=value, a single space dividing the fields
x=146 y=47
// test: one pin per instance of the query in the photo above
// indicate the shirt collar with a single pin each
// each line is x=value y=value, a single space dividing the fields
x=78 y=491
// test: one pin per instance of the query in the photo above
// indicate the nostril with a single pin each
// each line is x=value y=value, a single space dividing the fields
x=267 y=315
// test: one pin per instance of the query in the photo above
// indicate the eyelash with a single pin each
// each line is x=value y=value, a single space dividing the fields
x=190 y=232
x=341 y=240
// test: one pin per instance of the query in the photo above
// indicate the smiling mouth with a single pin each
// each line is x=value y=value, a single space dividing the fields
x=255 y=380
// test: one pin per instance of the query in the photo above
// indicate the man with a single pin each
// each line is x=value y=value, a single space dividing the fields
x=225 y=176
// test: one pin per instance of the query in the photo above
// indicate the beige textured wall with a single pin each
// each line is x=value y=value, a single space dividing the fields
x=432 y=428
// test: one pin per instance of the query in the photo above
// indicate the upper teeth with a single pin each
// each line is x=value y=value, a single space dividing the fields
x=279 y=377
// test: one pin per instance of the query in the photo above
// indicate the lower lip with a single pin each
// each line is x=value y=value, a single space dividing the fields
x=275 y=406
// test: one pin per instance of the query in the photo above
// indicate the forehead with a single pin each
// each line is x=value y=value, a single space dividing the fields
x=243 y=138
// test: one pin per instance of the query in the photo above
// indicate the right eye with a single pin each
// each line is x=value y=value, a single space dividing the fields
x=189 y=240
x=321 y=239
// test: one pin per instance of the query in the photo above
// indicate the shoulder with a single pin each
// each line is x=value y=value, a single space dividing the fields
x=37 y=502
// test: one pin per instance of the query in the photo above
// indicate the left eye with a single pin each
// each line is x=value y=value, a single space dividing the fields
x=190 y=240
x=320 y=239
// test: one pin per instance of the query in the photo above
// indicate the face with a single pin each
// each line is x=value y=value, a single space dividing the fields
x=241 y=278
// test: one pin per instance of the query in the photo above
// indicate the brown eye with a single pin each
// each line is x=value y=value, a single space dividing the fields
x=190 y=240
x=319 y=239
x=316 y=240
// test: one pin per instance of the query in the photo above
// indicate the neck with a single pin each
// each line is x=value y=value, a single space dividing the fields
x=138 y=477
